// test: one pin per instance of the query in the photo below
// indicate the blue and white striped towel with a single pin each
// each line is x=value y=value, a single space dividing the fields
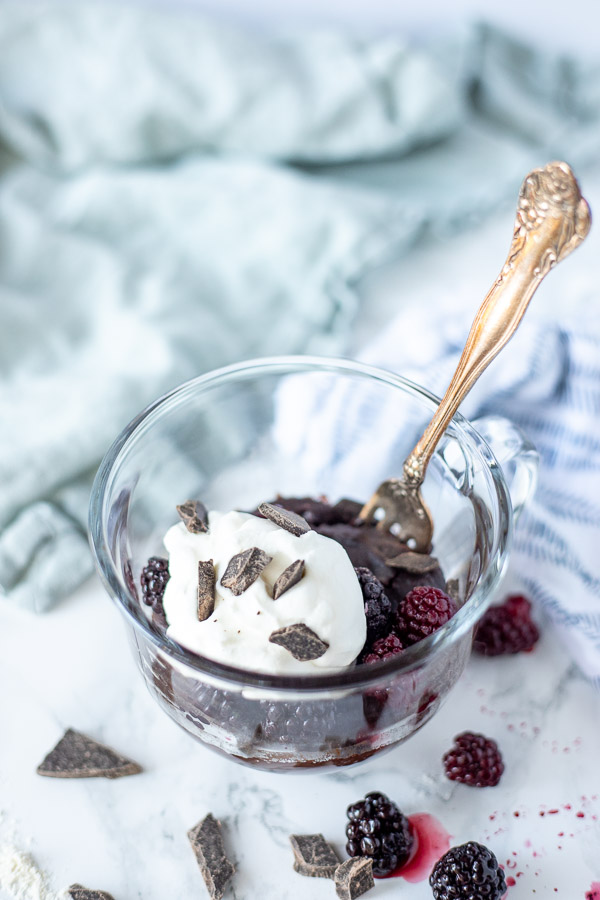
x=547 y=381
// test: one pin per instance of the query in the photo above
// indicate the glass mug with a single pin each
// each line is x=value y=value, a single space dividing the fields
x=304 y=426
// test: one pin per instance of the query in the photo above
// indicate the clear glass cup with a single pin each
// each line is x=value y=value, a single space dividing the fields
x=298 y=426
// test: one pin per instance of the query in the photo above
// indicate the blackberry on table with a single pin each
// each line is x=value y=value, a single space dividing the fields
x=474 y=760
x=378 y=606
x=423 y=611
x=507 y=628
x=154 y=578
x=379 y=830
x=468 y=872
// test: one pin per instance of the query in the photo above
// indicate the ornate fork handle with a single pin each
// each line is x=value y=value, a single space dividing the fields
x=552 y=219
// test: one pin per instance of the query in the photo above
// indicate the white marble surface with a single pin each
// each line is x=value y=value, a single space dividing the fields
x=72 y=668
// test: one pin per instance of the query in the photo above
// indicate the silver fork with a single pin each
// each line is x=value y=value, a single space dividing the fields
x=552 y=219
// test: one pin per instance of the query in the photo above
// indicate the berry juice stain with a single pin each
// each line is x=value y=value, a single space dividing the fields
x=594 y=891
x=431 y=842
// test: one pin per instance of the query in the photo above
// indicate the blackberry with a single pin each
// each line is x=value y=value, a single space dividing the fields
x=423 y=611
x=154 y=578
x=475 y=760
x=507 y=628
x=384 y=648
x=378 y=607
x=468 y=872
x=377 y=829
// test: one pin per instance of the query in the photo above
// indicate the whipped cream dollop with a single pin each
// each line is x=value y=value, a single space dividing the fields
x=328 y=598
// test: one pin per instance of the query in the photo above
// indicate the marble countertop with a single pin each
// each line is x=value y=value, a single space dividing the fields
x=73 y=668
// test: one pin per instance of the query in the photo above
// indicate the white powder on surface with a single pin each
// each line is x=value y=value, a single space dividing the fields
x=20 y=878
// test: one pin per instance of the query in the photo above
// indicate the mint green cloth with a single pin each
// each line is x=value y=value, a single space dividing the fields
x=176 y=195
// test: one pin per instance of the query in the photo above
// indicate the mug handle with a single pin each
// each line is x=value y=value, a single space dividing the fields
x=516 y=455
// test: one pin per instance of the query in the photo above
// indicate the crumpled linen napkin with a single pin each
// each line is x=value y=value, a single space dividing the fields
x=176 y=195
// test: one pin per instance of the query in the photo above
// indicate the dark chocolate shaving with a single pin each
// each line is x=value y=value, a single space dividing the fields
x=415 y=563
x=300 y=640
x=78 y=756
x=354 y=877
x=288 y=578
x=313 y=856
x=206 y=589
x=284 y=518
x=79 y=892
x=194 y=516
x=207 y=843
x=243 y=569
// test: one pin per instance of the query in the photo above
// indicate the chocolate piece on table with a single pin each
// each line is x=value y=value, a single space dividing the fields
x=194 y=515
x=243 y=569
x=79 y=892
x=416 y=563
x=300 y=640
x=284 y=518
x=288 y=578
x=354 y=877
x=313 y=856
x=206 y=589
x=79 y=756
x=207 y=843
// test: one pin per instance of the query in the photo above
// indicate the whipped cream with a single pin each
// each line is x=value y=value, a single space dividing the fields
x=328 y=598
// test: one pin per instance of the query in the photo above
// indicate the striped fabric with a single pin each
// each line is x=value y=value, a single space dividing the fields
x=547 y=381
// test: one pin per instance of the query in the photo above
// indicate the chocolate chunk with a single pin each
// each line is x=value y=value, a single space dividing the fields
x=243 y=569
x=79 y=892
x=284 y=518
x=194 y=515
x=313 y=856
x=78 y=756
x=207 y=843
x=288 y=578
x=206 y=589
x=316 y=512
x=300 y=640
x=354 y=877
x=415 y=563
